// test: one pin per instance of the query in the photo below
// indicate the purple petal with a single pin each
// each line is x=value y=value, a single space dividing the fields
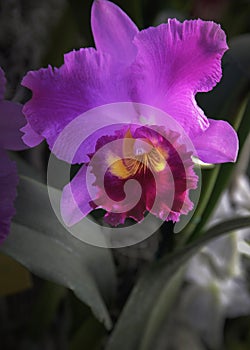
x=8 y=183
x=218 y=144
x=2 y=84
x=75 y=199
x=113 y=30
x=30 y=137
x=11 y=120
x=87 y=79
x=174 y=62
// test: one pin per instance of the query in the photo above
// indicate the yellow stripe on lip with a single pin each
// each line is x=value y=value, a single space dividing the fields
x=138 y=158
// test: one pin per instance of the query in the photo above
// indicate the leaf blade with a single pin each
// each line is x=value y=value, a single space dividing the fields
x=42 y=245
x=150 y=287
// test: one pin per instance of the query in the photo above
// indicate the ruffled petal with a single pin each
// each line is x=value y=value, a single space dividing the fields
x=75 y=201
x=113 y=31
x=174 y=62
x=8 y=183
x=86 y=80
x=170 y=198
x=115 y=219
x=11 y=120
x=30 y=137
x=218 y=144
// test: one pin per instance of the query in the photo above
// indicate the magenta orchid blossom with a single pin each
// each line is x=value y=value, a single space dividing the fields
x=11 y=120
x=163 y=67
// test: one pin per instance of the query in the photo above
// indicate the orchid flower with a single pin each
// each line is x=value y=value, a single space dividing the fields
x=11 y=120
x=162 y=67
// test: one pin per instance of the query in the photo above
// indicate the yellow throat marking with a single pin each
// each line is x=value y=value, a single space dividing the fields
x=137 y=160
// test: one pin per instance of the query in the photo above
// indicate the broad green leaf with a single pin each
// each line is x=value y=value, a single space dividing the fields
x=150 y=300
x=14 y=277
x=40 y=243
x=163 y=306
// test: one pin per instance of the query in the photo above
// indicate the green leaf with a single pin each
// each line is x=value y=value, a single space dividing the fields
x=155 y=291
x=163 y=306
x=40 y=243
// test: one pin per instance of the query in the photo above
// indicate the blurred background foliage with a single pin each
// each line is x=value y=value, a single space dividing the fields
x=75 y=300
